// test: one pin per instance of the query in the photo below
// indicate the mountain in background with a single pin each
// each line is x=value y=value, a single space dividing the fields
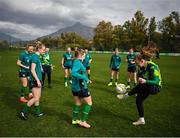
x=80 y=29
x=8 y=38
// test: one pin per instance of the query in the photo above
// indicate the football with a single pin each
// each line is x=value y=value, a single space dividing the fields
x=121 y=88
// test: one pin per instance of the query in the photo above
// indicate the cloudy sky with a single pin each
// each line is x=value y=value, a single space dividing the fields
x=29 y=19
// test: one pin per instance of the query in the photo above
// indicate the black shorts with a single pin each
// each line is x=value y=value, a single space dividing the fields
x=131 y=69
x=154 y=89
x=81 y=94
x=88 y=68
x=115 y=69
x=67 y=67
x=33 y=84
x=144 y=88
x=23 y=74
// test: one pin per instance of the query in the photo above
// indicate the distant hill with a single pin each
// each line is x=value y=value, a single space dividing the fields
x=80 y=29
x=8 y=38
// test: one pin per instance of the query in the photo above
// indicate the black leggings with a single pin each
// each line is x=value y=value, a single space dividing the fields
x=142 y=91
x=46 y=69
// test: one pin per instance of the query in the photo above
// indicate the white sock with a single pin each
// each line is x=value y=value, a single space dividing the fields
x=126 y=95
x=142 y=119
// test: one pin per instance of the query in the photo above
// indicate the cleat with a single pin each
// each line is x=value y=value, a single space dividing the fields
x=30 y=95
x=84 y=124
x=89 y=81
x=110 y=84
x=70 y=81
x=75 y=122
x=65 y=84
x=40 y=114
x=23 y=115
x=49 y=86
x=116 y=83
x=139 y=122
x=23 y=100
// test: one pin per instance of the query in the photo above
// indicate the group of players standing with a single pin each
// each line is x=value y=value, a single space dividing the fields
x=35 y=65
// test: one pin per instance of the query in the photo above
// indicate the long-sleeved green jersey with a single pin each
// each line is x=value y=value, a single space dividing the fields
x=45 y=59
x=78 y=75
x=151 y=73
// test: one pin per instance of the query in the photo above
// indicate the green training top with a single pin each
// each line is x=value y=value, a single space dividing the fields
x=87 y=59
x=115 y=61
x=36 y=59
x=151 y=73
x=67 y=59
x=25 y=58
x=45 y=59
x=78 y=74
x=131 y=57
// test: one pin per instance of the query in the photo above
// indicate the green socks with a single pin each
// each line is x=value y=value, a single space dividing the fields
x=23 y=91
x=70 y=78
x=86 y=111
x=89 y=77
x=26 y=109
x=75 y=112
x=65 y=79
x=38 y=111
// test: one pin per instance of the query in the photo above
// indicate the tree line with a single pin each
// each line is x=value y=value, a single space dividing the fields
x=134 y=33
x=139 y=32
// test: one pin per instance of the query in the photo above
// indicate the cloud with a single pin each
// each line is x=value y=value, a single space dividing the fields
x=29 y=19
x=24 y=31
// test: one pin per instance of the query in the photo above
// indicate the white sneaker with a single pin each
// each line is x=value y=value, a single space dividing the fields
x=128 y=87
x=89 y=81
x=70 y=81
x=65 y=84
x=121 y=96
x=139 y=122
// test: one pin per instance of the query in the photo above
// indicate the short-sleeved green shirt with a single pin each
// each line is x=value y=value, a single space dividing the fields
x=115 y=61
x=131 y=57
x=68 y=59
x=25 y=58
x=36 y=59
x=87 y=59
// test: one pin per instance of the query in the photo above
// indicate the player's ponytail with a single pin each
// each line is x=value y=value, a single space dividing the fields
x=39 y=45
x=78 y=52
x=146 y=53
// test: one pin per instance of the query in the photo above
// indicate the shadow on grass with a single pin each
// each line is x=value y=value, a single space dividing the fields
x=10 y=97
x=103 y=111
x=59 y=114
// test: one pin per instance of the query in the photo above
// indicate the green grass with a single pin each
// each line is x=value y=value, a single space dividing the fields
x=108 y=117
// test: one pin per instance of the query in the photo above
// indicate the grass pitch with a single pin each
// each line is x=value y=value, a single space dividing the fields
x=108 y=117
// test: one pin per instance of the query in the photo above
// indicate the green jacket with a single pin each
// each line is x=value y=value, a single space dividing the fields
x=45 y=59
